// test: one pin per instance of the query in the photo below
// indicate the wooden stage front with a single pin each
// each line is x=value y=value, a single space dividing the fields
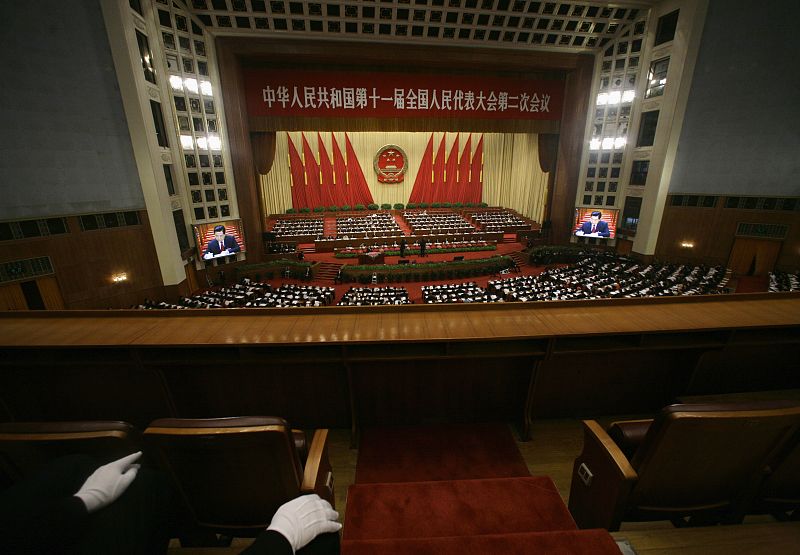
x=356 y=366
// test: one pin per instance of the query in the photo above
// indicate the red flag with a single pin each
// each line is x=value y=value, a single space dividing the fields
x=298 y=177
x=313 y=192
x=449 y=192
x=326 y=174
x=476 y=174
x=438 y=174
x=339 y=175
x=423 y=182
x=358 y=183
x=462 y=186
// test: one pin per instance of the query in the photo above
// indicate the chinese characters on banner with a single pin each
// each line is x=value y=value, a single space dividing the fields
x=391 y=95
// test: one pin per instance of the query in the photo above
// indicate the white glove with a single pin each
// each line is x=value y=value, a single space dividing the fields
x=304 y=518
x=108 y=482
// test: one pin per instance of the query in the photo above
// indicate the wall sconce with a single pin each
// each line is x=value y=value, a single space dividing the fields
x=687 y=245
x=119 y=278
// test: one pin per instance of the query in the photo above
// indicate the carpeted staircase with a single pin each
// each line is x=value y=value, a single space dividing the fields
x=520 y=258
x=402 y=223
x=327 y=272
x=329 y=226
x=456 y=489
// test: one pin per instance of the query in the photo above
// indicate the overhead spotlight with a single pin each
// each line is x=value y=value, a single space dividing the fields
x=119 y=278
x=687 y=245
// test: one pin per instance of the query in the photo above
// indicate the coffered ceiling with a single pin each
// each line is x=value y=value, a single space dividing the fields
x=577 y=27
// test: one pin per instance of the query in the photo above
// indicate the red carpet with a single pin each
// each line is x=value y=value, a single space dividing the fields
x=443 y=452
x=454 y=508
x=572 y=542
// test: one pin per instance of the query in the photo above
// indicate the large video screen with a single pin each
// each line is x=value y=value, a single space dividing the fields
x=219 y=239
x=593 y=222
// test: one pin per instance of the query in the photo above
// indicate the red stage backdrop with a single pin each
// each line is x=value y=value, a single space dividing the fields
x=393 y=95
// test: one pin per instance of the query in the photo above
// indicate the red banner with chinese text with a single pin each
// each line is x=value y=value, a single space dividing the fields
x=392 y=95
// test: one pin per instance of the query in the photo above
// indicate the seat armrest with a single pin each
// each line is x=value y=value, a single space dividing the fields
x=318 y=473
x=629 y=435
x=602 y=479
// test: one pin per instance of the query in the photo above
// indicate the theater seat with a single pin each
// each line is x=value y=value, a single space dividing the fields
x=24 y=446
x=234 y=473
x=699 y=461
x=779 y=494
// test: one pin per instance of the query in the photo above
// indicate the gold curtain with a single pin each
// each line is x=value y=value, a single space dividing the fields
x=276 y=186
x=263 y=150
x=511 y=176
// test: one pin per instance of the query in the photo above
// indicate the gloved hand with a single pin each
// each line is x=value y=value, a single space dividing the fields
x=304 y=518
x=108 y=482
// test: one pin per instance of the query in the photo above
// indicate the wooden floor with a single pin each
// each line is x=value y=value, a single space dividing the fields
x=551 y=452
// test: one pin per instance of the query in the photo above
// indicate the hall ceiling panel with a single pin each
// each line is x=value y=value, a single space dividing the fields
x=577 y=27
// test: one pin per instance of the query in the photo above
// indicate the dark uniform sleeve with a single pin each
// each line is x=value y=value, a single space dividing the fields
x=40 y=514
x=46 y=528
x=269 y=542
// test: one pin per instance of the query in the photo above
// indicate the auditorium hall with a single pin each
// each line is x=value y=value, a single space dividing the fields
x=486 y=276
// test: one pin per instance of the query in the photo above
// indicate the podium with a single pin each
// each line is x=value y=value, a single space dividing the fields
x=376 y=257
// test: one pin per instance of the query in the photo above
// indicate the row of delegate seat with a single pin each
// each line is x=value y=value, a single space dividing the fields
x=499 y=221
x=232 y=296
x=231 y=473
x=373 y=224
x=783 y=281
x=691 y=464
x=413 y=243
x=422 y=223
x=469 y=292
x=364 y=296
x=298 y=227
x=608 y=276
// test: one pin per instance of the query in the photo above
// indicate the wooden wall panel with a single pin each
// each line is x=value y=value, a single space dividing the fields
x=616 y=382
x=51 y=293
x=86 y=384
x=420 y=364
x=84 y=262
x=420 y=391
x=308 y=395
x=753 y=255
x=713 y=233
x=737 y=368
x=11 y=297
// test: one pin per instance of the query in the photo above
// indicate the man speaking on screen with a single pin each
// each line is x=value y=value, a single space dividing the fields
x=221 y=244
x=595 y=227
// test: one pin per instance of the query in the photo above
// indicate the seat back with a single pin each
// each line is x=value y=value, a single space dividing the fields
x=709 y=456
x=781 y=489
x=232 y=473
x=25 y=446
